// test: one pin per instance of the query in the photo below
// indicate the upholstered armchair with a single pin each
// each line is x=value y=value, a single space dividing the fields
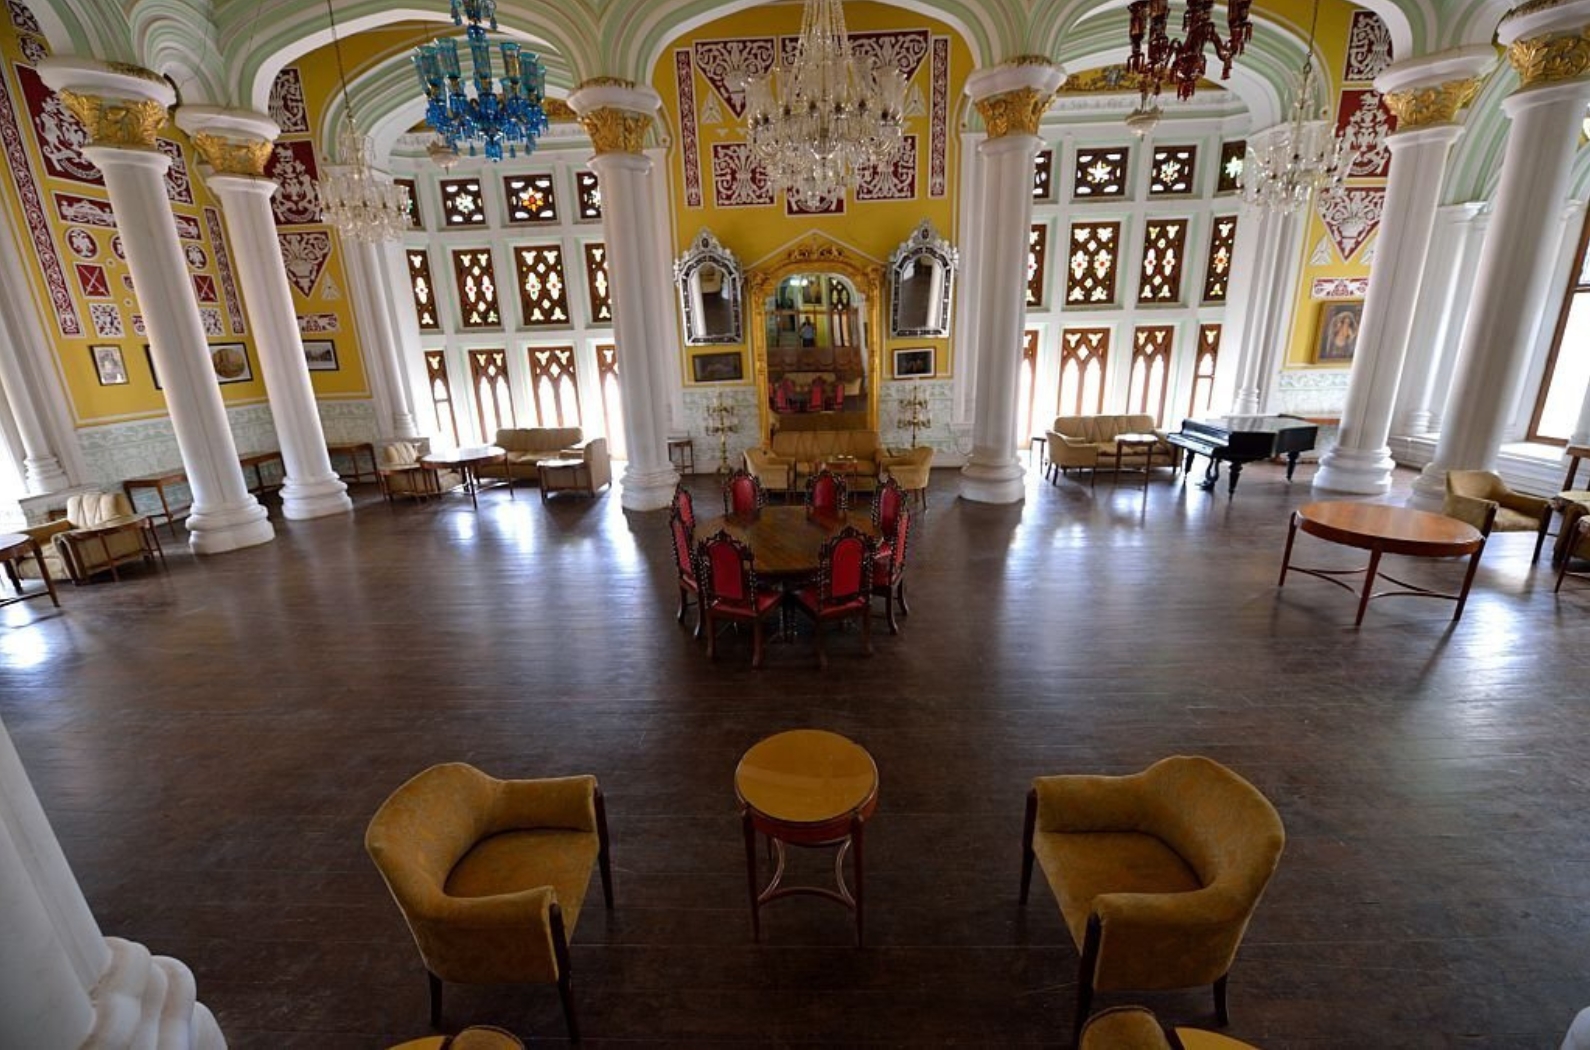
x=78 y=561
x=490 y=874
x=594 y=469
x=773 y=472
x=1156 y=873
x=912 y=470
x=1475 y=495
x=403 y=475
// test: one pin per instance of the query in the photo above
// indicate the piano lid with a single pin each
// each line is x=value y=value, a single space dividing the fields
x=1251 y=423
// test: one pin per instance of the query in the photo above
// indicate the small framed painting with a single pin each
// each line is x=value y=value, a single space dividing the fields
x=109 y=367
x=1337 y=337
x=230 y=361
x=320 y=355
x=718 y=368
x=914 y=364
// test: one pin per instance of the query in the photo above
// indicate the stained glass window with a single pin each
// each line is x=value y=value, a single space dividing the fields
x=1092 y=262
x=488 y=371
x=1037 y=263
x=1222 y=243
x=1145 y=392
x=416 y=222
x=530 y=198
x=1100 y=173
x=543 y=295
x=612 y=405
x=596 y=282
x=1203 y=391
x=588 y=190
x=1164 y=241
x=441 y=394
x=554 y=386
x=1175 y=168
x=462 y=204
x=1043 y=175
x=1231 y=158
x=477 y=288
x=1084 y=353
x=424 y=289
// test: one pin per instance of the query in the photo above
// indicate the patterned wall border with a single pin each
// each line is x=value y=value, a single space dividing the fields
x=65 y=309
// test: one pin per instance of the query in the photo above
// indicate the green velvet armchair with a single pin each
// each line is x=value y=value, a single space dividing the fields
x=1156 y=873
x=490 y=874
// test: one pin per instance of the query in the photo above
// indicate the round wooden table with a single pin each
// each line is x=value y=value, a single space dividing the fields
x=809 y=788
x=1380 y=530
x=467 y=462
x=785 y=542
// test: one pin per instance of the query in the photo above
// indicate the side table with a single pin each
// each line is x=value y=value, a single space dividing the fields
x=353 y=450
x=1134 y=444
x=158 y=482
x=100 y=535
x=685 y=459
x=563 y=475
x=14 y=547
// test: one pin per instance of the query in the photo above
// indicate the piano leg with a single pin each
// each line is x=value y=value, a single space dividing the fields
x=1236 y=472
x=1291 y=463
x=1188 y=455
x=1211 y=475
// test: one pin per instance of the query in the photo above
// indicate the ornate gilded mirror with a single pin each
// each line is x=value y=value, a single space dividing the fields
x=921 y=284
x=709 y=292
x=816 y=341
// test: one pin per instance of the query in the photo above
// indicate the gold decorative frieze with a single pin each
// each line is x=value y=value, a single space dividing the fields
x=232 y=156
x=614 y=130
x=618 y=82
x=1422 y=107
x=1550 y=58
x=124 y=122
x=558 y=111
x=1533 y=7
x=1014 y=112
x=1031 y=60
x=127 y=69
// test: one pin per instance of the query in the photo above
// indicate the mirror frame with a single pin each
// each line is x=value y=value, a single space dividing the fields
x=924 y=240
x=818 y=254
x=705 y=250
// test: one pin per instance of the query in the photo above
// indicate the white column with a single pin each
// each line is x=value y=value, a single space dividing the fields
x=62 y=982
x=1438 y=318
x=1012 y=100
x=41 y=467
x=1264 y=271
x=1547 y=113
x=617 y=116
x=1426 y=97
x=123 y=112
x=404 y=344
x=968 y=288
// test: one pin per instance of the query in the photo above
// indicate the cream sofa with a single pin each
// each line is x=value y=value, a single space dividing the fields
x=1088 y=442
x=594 y=469
x=528 y=446
x=794 y=455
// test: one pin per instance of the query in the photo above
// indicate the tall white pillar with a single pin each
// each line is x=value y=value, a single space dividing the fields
x=1425 y=96
x=62 y=982
x=1548 y=49
x=1438 y=317
x=123 y=111
x=1011 y=99
x=41 y=467
x=389 y=332
x=235 y=146
x=1264 y=270
x=617 y=115
x=968 y=289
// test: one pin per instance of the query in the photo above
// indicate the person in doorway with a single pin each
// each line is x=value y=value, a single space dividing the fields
x=808 y=333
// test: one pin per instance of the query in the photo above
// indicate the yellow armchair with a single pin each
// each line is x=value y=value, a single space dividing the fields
x=776 y=473
x=911 y=469
x=1483 y=499
x=490 y=874
x=1156 y=873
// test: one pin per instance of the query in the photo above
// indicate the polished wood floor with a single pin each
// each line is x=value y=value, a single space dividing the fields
x=210 y=742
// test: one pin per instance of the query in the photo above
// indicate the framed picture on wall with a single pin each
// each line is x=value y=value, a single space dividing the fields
x=109 y=367
x=1337 y=337
x=230 y=361
x=149 y=355
x=726 y=367
x=320 y=355
x=916 y=363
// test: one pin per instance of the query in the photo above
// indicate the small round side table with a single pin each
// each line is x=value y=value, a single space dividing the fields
x=808 y=788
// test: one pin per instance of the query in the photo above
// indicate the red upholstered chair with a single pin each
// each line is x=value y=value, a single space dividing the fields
x=684 y=506
x=826 y=494
x=816 y=400
x=729 y=591
x=684 y=562
x=836 y=400
x=743 y=495
x=843 y=588
x=887 y=503
x=784 y=395
x=888 y=567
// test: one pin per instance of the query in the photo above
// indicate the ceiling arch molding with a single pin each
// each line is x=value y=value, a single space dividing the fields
x=1477 y=158
x=88 y=28
x=1473 y=22
x=176 y=39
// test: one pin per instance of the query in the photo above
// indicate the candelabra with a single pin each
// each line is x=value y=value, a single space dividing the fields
x=721 y=423
x=914 y=413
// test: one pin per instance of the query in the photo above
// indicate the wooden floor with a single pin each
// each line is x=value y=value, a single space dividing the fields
x=210 y=743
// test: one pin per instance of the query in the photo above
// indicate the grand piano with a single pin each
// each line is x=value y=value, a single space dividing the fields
x=1239 y=440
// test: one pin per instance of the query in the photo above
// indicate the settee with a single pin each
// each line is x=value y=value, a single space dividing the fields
x=794 y=455
x=1088 y=442
x=528 y=446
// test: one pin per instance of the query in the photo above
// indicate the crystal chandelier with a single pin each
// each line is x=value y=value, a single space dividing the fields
x=1287 y=164
x=1158 y=59
x=360 y=203
x=827 y=120
x=513 y=115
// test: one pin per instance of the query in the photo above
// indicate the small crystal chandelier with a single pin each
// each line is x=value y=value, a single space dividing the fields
x=492 y=118
x=827 y=120
x=359 y=202
x=1158 y=59
x=1287 y=164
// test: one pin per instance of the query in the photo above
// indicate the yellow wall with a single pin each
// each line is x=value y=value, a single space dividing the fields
x=876 y=228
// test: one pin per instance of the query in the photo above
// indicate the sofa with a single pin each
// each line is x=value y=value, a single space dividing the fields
x=794 y=455
x=528 y=446
x=1088 y=442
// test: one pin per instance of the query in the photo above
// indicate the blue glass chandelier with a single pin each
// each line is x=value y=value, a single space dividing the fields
x=512 y=116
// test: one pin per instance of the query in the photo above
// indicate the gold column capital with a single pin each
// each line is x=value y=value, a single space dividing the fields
x=1437 y=104
x=229 y=156
x=558 y=111
x=615 y=130
x=125 y=122
x=1550 y=57
x=1015 y=112
x=618 y=82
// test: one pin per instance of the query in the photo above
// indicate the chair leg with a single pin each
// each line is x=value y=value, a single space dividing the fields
x=1222 y=1016
x=899 y=596
x=1090 y=960
x=756 y=643
x=436 y=999
x=560 y=949
x=604 y=856
x=712 y=636
x=817 y=637
x=1029 y=825
x=866 y=629
x=1540 y=540
x=888 y=608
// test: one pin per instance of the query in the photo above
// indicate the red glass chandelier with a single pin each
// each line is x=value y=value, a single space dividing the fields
x=1158 y=60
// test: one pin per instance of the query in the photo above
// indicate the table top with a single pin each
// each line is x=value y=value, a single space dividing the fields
x=157 y=479
x=249 y=459
x=806 y=776
x=1199 y=1039
x=11 y=541
x=350 y=446
x=115 y=524
x=784 y=541
x=1137 y=439
x=459 y=457
x=1414 y=531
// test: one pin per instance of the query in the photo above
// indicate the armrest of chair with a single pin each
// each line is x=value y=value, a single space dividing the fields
x=1477 y=512
x=1088 y=803
x=1523 y=503
x=557 y=802
x=42 y=533
x=1067 y=441
x=1167 y=939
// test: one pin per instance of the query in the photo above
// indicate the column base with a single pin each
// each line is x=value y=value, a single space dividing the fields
x=1358 y=471
x=1429 y=489
x=315 y=499
x=1246 y=403
x=43 y=475
x=229 y=528
x=145 y=1000
x=647 y=489
x=985 y=480
x=404 y=427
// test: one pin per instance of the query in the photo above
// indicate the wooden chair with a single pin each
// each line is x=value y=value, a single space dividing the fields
x=730 y=591
x=743 y=495
x=1482 y=498
x=685 y=564
x=843 y=588
x=888 y=568
x=684 y=505
x=816 y=398
x=887 y=503
x=826 y=493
